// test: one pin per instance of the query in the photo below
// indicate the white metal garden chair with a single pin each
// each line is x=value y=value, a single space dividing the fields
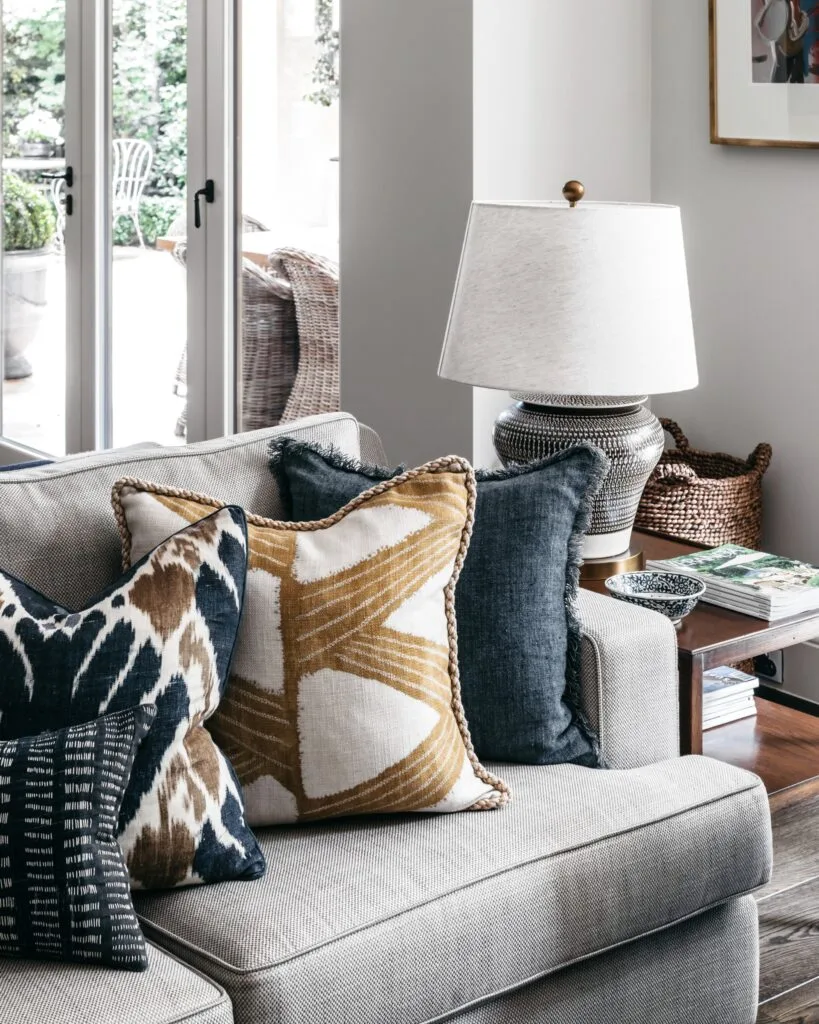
x=57 y=191
x=131 y=163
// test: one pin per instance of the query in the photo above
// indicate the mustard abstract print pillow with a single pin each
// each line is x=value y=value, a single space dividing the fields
x=344 y=695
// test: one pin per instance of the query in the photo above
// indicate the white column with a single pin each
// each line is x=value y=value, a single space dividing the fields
x=561 y=90
x=406 y=185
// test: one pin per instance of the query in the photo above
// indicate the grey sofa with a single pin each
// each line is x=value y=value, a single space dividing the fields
x=596 y=897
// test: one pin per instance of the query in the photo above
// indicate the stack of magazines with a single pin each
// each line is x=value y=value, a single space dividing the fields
x=752 y=582
x=727 y=696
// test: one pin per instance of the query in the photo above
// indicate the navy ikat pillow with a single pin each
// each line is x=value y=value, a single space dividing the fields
x=164 y=635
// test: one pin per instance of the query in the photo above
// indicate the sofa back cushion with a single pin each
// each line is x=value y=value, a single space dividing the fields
x=57 y=528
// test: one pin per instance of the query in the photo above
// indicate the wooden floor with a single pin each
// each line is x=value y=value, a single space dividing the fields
x=789 y=912
x=780 y=745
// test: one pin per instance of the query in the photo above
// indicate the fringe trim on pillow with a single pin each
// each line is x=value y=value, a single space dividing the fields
x=600 y=467
x=280 y=447
x=574 y=695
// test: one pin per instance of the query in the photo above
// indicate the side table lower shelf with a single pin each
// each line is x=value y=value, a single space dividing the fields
x=781 y=744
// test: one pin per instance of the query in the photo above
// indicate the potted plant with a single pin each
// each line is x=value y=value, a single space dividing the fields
x=28 y=231
x=37 y=134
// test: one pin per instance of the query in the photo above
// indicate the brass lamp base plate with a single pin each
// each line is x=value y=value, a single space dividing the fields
x=602 y=568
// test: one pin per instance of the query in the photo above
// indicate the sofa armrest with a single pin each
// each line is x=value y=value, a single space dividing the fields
x=629 y=681
x=372 y=450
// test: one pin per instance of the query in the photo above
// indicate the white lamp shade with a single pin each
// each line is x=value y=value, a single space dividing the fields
x=590 y=300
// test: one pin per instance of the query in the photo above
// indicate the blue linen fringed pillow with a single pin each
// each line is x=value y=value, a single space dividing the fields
x=64 y=887
x=163 y=634
x=518 y=632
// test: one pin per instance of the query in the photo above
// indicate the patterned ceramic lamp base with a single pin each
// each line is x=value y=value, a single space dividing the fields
x=629 y=434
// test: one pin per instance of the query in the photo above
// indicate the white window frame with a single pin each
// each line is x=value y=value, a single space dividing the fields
x=212 y=254
x=88 y=230
x=87 y=234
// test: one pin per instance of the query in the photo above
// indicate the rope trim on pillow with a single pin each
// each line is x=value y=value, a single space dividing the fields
x=447 y=464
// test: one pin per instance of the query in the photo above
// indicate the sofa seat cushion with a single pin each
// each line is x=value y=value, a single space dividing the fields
x=39 y=993
x=57 y=527
x=401 y=920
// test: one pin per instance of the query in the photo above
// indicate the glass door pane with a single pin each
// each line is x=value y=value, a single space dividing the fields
x=32 y=270
x=149 y=226
x=289 y=146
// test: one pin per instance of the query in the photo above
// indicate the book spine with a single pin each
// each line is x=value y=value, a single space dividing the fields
x=722 y=696
x=737 y=716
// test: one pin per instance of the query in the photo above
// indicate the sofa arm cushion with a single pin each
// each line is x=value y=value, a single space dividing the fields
x=372 y=449
x=629 y=681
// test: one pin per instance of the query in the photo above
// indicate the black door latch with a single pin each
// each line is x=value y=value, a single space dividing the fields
x=68 y=177
x=209 y=192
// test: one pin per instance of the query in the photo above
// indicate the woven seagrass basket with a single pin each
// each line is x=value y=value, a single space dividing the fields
x=706 y=498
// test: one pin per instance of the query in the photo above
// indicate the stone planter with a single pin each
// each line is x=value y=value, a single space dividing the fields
x=36 y=149
x=25 y=279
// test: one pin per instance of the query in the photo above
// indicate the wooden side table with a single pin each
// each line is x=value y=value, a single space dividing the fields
x=712 y=636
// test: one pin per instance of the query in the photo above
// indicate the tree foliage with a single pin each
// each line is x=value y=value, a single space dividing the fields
x=149 y=77
x=325 y=72
x=156 y=214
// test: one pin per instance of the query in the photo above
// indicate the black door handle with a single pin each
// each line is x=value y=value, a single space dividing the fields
x=68 y=176
x=209 y=192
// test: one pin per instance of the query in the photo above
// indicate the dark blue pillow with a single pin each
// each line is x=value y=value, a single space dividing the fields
x=163 y=634
x=64 y=892
x=518 y=633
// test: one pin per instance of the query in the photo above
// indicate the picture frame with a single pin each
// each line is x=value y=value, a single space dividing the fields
x=764 y=68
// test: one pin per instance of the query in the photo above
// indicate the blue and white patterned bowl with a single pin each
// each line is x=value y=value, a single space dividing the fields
x=670 y=593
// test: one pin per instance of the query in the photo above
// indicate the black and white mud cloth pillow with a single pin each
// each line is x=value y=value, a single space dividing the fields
x=64 y=889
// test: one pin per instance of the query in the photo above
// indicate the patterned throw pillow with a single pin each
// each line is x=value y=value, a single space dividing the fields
x=64 y=891
x=164 y=635
x=519 y=634
x=344 y=697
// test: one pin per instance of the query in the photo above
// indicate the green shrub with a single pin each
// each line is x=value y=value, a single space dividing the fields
x=156 y=214
x=28 y=216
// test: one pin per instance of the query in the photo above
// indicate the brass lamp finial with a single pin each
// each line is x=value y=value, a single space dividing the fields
x=573 y=192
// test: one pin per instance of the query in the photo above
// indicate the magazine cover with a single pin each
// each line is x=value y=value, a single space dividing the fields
x=726 y=678
x=731 y=563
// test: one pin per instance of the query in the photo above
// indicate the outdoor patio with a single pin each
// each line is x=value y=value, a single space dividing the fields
x=149 y=332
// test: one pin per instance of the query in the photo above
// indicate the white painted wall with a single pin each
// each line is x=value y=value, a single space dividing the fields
x=751 y=220
x=560 y=92
x=406 y=185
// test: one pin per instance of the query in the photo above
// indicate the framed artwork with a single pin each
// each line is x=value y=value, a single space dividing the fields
x=765 y=72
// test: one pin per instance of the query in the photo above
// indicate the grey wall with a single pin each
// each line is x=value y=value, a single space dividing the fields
x=751 y=219
x=552 y=103
x=406 y=185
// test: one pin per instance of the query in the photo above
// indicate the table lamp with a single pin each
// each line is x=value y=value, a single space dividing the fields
x=581 y=311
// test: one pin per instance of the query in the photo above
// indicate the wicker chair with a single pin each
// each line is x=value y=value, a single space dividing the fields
x=269 y=350
x=270 y=347
x=315 y=293
x=290 y=339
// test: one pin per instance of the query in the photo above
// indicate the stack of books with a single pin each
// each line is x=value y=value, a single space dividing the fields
x=727 y=696
x=752 y=582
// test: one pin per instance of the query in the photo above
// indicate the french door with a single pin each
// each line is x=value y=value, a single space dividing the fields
x=118 y=273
